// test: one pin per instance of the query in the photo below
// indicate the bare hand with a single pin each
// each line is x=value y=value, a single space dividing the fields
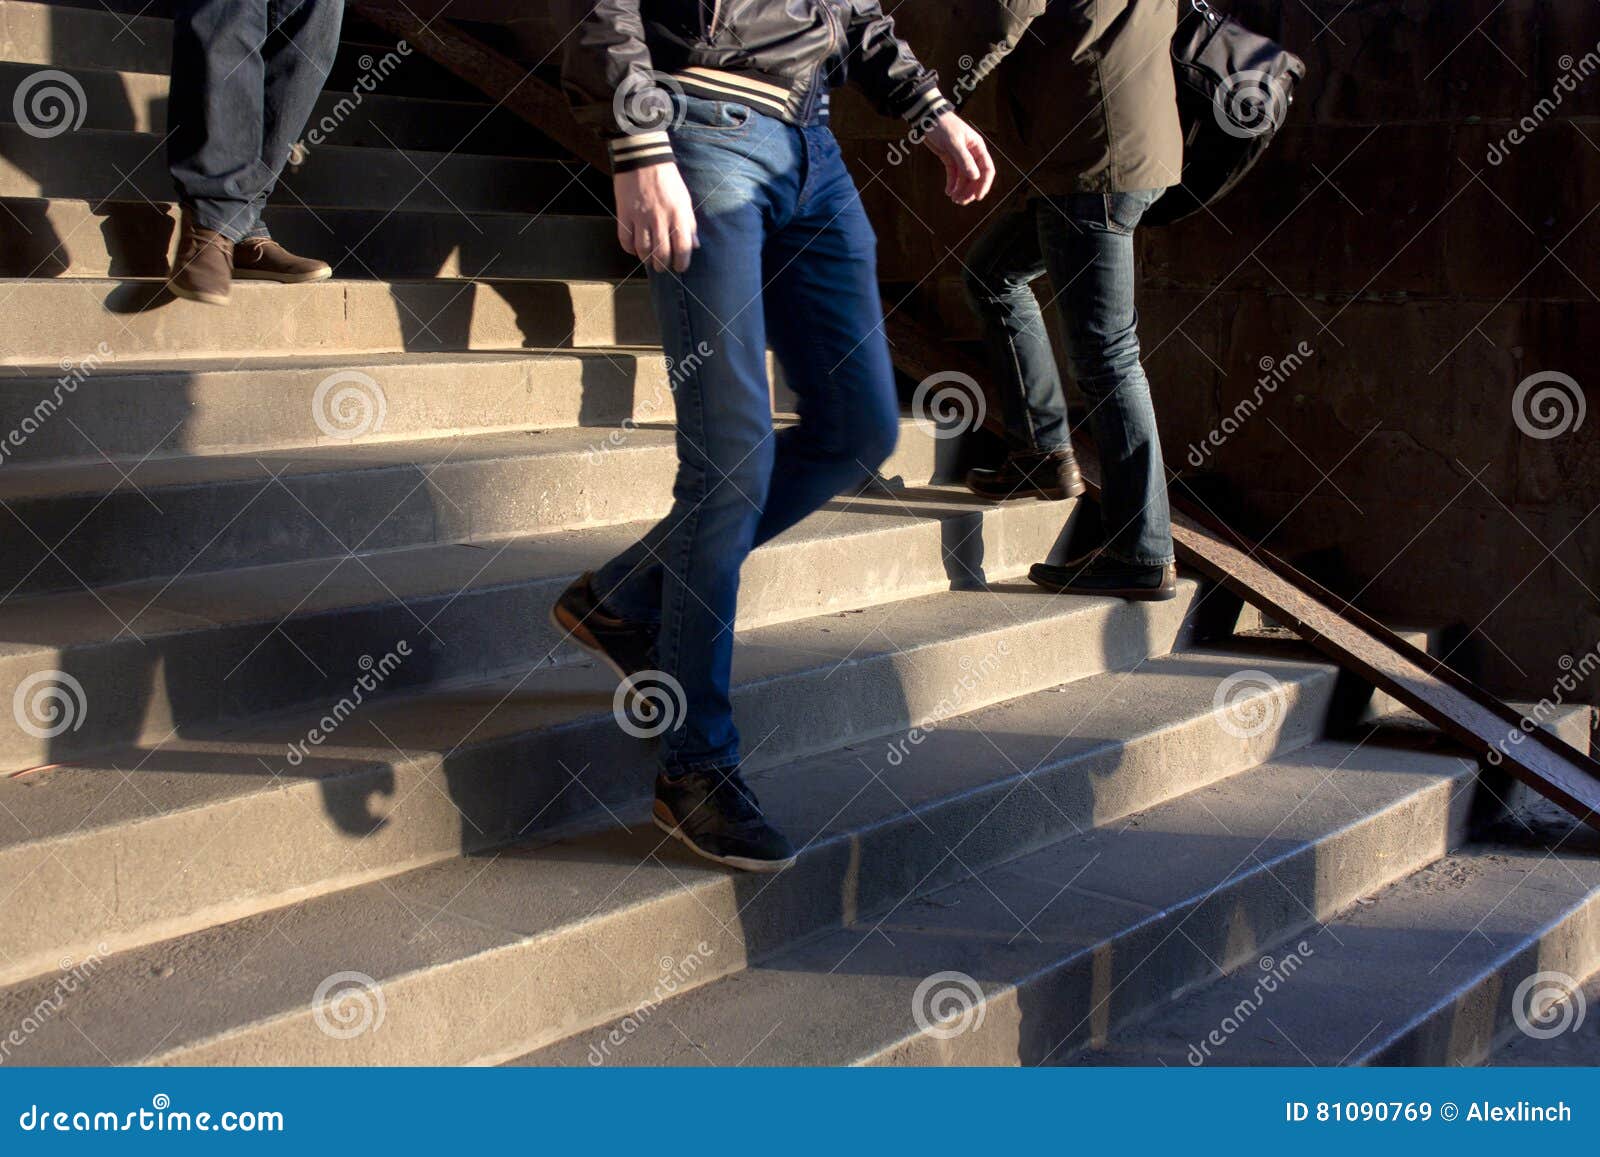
x=968 y=170
x=655 y=217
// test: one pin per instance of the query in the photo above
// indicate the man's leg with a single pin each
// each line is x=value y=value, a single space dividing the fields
x=824 y=320
x=216 y=111
x=998 y=277
x=299 y=52
x=685 y=571
x=1087 y=240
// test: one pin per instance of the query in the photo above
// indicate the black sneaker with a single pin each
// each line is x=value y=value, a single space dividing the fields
x=627 y=648
x=716 y=814
x=1099 y=575
x=1052 y=476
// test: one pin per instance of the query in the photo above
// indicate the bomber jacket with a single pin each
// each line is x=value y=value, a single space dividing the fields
x=778 y=57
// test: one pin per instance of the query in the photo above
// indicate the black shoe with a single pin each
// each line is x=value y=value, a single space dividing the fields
x=1099 y=575
x=628 y=648
x=1053 y=476
x=718 y=817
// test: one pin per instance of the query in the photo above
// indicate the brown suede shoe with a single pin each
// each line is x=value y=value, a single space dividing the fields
x=263 y=259
x=203 y=269
x=1051 y=476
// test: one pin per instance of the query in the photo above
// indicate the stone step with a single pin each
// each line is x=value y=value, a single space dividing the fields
x=137 y=102
x=1022 y=962
x=90 y=36
x=480 y=957
x=95 y=164
x=123 y=239
x=154 y=410
x=149 y=658
x=86 y=526
x=1436 y=969
x=165 y=838
x=1566 y=1029
x=138 y=320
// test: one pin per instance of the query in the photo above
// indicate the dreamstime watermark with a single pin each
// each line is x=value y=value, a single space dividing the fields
x=678 y=372
x=948 y=1004
x=349 y=404
x=48 y=704
x=675 y=974
x=160 y=1117
x=1573 y=73
x=1547 y=1004
x=48 y=103
x=1274 y=372
x=963 y=691
x=1250 y=102
x=1274 y=974
x=948 y=404
x=1248 y=703
x=1548 y=708
x=648 y=102
x=374 y=674
x=649 y=703
x=1549 y=404
x=74 y=975
x=373 y=73
x=348 y=1004
x=73 y=375
x=973 y=73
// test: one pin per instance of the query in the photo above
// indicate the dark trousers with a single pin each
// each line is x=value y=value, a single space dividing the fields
x=245 y=77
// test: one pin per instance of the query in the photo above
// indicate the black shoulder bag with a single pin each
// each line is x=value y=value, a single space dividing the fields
x=1234 y=91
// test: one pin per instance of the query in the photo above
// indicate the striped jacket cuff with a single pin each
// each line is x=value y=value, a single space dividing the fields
x=640 y=151
x=929 y=103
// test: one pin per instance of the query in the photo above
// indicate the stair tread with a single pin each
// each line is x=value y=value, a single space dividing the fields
x=95 y=478
x=1378 y=966
x=188 y=367
x=441 y=915
x=284 y=591
x=848 y=996
x=224 y=761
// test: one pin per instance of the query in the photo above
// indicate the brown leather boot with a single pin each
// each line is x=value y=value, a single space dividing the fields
x=1051 y=476
x=263 y=259
x=203 y=269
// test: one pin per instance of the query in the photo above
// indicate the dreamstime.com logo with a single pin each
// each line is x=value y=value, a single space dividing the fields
x=1548 y=1004
x=1549 y=404
x=48 y=704
x=1248 y=703
x=48 y=103
x=948 y=1004
x=948 y=404
x=649 y=703
x=1249 y=103
x=347 y=1005
x=349 y=405
x=647 y=102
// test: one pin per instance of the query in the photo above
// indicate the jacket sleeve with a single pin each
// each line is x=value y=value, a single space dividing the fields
x=1000 y=27
x=607 y=75
x=885 y=67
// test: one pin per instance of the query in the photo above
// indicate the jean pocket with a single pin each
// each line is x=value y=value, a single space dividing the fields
x=714 y=116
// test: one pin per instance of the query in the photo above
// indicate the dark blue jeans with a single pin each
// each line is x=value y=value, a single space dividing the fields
x=1084 y=242
x=786 y=258
x=245 y=77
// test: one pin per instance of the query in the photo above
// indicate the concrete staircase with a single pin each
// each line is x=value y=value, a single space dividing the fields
x=322 y=786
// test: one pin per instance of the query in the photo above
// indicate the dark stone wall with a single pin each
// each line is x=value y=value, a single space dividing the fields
x=1427 y=280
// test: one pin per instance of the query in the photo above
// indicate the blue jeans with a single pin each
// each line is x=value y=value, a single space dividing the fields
x=1084 y=242
x=786 y=258
x=245 y=77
